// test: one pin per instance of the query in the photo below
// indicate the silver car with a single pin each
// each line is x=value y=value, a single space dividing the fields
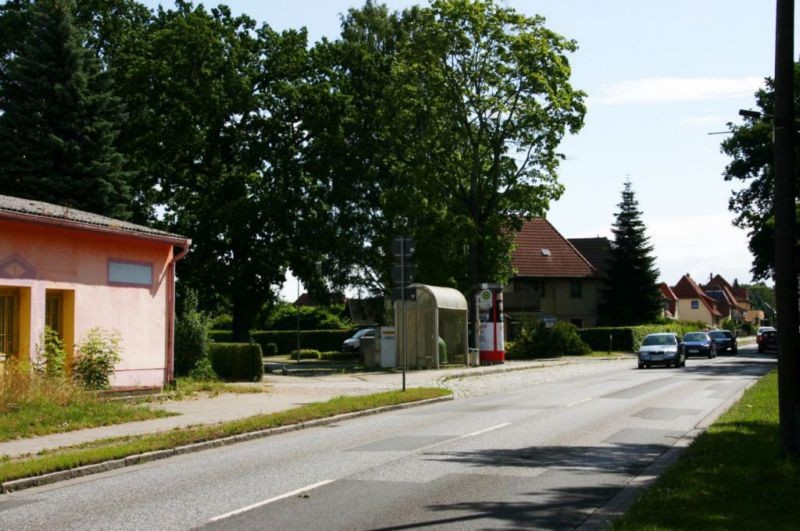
x=661 y=349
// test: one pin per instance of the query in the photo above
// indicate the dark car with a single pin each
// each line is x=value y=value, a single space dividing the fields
x=767 y=340
x=725 y=341
x=767 y=336
x=352 y=344
x=699 y=344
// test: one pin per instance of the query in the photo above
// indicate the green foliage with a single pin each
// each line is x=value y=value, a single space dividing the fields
x=271 y=349
x=751 y=167
x=629 y=338
x=222 y=322
x=306 y=354
x=203 y=371
x=59 y=120
x=50 y=356
x=286 y=341
x=285 y=317
x=538 y=341
x=98 y=354
x=335 y=355
x=730 y=325
x=237 y=361
x=191 y=335
x=630 y=294
x=746 y=329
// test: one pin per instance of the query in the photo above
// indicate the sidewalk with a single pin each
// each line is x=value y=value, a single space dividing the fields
x=285 y=392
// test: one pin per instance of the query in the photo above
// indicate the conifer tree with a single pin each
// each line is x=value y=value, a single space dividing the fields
x=630 y=294
x=59 y=120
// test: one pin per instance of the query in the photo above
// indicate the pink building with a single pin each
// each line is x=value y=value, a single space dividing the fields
x=73 y=271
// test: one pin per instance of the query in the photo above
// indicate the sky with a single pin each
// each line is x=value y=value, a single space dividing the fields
x=660 y=76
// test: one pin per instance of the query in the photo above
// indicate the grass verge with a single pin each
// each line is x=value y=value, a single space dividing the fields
x=106 y=449
x=188 y=387
x=734 y=476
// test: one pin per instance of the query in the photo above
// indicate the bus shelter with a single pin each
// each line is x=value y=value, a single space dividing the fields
x=432 y=329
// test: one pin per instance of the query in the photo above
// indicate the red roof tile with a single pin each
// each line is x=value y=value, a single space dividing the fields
x=667 y=292
x=541 y=251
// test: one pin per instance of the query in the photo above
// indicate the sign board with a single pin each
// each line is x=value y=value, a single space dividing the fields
x=485 y=299
x=403 y=246
x=410 y=294
x=404 y=273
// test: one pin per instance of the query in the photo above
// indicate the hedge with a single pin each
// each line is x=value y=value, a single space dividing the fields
x=629 y=338
x=237 y=361
x=286 y=340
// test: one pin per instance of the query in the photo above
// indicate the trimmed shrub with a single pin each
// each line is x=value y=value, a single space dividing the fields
x=539 y=341
x=237 y=361
x=271 y=349
x=306 y=354
x=629 y=338
x=98 y=353
x=222 y=322
x=286 y=340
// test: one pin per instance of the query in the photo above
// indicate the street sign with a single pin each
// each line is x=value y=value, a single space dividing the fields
x=403 y=246
x=485 y=299
x=403 y=274
x=410 y=293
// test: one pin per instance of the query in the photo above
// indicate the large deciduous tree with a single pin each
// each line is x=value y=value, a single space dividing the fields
x=751 y=151
x=446 y=121
x=630 y=292
x=214 y=131
x=60 y=120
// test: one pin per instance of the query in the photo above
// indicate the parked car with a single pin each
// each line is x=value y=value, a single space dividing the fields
x=766 y=336
x=699 y=344
x=767 y=339
x=661 y=349
x=725 y=341
x=353 y=343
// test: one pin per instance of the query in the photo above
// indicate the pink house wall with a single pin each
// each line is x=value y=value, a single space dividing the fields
x=76 y=259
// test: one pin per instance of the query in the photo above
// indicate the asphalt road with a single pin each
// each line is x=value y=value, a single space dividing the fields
x=543 y=456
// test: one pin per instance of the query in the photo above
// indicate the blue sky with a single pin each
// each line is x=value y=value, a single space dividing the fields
x=660 y=75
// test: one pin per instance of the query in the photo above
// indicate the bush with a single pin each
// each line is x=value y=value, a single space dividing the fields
x=746 y=329
x=98 y=353
x=306 y=354
x=222 y=322
x=191 y=335
x=271 y=349
x=284 y=317
x=50 y=356
x=539 y=341
x=629 y=338
x=203 y=370
x=286 y=340
x=237 y=361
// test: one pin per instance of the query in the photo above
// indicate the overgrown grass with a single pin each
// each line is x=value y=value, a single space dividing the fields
x=734 y=476
x=188 y=387
x=103 y=450
x=32 y=405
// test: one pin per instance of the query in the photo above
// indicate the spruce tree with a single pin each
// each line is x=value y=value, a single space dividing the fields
x=630 y=292
x=60 y=121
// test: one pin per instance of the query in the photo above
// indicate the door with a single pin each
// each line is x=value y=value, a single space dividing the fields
x=9 y=322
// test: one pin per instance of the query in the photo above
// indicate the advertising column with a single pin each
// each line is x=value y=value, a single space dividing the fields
x=490 y=314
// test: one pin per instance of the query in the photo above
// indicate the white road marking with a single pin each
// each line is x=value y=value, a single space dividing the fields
x=266 y=502
x=577 y=402
x=487 y=430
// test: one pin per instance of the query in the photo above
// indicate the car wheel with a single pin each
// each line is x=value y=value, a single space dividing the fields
x=735 y=351
x=641 y=365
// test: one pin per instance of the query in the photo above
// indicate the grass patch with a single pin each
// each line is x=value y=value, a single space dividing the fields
x=106 y=449
x=734 y=476
x=188 y=387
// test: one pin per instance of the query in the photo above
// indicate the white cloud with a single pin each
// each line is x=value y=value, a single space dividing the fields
x=672 y=89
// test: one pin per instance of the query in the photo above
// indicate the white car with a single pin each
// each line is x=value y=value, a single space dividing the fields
x=661 y=349
x=352 y=344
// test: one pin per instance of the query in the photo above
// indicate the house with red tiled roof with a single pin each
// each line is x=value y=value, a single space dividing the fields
x=552 y=280
x=670 y=302
x=693 y=304
x=733 y=301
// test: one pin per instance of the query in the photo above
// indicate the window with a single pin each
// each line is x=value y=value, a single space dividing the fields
x=53 y=312
x=695 y=305
x=9 y=306
x=575 y=289
x=130 y=273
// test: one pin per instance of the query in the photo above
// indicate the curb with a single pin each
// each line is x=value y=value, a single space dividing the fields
x=616 y=506
x=15 y=485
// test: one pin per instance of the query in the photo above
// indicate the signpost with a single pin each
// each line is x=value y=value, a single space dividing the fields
x=403 y=275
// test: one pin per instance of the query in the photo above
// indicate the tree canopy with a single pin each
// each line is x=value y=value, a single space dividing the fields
x=750 y=148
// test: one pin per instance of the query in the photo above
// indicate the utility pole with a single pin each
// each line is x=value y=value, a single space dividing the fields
x=786 y=231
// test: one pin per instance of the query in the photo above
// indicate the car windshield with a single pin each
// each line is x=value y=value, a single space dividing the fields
x=695 y=336
x=720 y=335
x=362 y=332
x=659 y=340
